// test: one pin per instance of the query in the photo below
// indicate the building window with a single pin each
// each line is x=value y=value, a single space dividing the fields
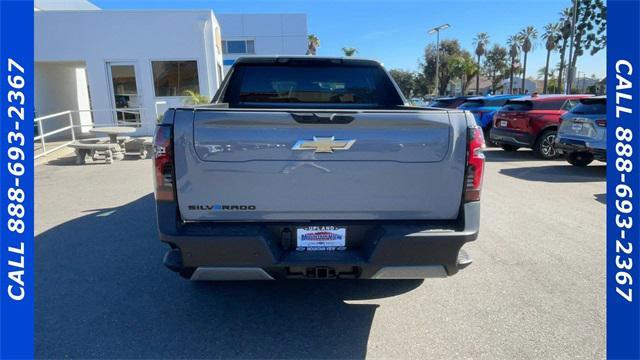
x=238 y=47
x=173 y=78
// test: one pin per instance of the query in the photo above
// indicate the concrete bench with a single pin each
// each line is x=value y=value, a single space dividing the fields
x=94 y=149
x=139 y=146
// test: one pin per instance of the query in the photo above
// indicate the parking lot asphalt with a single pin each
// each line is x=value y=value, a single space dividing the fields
x=536 y=288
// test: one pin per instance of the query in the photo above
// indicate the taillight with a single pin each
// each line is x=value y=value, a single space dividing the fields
x=601 y=123
x=163 y=163
x=475 y=165
x=495 y=119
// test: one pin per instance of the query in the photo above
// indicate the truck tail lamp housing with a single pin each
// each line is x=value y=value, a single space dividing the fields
x=475 y=165
x=164 y=183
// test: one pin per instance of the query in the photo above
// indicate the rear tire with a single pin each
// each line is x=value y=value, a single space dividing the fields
x=509 y=148
x=545 y=147
x=579 y=159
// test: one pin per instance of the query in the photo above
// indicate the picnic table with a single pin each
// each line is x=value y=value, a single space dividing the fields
x=113 y=131
x=110 y=150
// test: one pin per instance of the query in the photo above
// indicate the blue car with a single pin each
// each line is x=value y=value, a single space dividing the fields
x=484 y=107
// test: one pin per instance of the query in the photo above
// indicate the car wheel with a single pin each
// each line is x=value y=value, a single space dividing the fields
x=509 y=148
x=579 y=158
x=545 y=147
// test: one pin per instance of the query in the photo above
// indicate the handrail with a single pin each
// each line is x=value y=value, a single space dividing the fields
x=51 y=116
x=72 y=127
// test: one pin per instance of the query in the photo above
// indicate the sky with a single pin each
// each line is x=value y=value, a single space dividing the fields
x=395 y=32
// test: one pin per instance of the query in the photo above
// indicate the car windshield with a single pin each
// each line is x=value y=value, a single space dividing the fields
x=469 y=104
x=590 y=107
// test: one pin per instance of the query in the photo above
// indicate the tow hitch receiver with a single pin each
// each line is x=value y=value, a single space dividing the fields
x=321 y=272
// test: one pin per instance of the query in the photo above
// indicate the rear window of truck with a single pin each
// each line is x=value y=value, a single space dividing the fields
x=305 y=84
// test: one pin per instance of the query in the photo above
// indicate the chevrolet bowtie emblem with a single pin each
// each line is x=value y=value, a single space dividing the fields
x=323 y=144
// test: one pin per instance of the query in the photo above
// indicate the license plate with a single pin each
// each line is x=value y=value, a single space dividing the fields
x=503 y=123
x=576 y=127
x=321 y=238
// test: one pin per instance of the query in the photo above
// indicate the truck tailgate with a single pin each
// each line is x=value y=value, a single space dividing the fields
x=242 y=165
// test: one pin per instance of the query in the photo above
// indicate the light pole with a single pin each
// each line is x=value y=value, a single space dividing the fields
x=437 y=31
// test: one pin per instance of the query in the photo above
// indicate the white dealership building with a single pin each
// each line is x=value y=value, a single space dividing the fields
x=130 y=65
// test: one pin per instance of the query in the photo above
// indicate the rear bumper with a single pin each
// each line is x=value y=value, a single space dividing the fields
x=375 y=249
x=578 y=145
x=511 y=137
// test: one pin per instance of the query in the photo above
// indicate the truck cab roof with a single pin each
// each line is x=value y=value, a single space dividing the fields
x=312 y=59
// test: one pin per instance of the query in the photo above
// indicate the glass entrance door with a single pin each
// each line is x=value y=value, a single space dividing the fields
x=127 y=100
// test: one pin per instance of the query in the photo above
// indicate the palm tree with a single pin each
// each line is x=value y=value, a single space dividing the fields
x=470 y=71
x=480 y=42
x=527 y=38
x=551 y=34
x=513 y=44
x=313 y=43
x=565 y=33
x=349 y=51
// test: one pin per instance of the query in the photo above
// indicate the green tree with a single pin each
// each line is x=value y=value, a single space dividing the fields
x=590 y=31
x=349 y=51
x=550 y=35
x=450 y=64
x=406 y=81
x=495 y=65
x=195 y=98
x=513 y=43
x=313 y=43
x=470 y=71
x=527 y=38
x=480 y=42
x=421 y=85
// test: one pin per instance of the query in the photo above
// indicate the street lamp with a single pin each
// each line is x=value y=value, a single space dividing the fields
x=437 y=31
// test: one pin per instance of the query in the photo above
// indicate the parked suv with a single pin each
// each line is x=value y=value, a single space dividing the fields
x=484 y=109
x=583 y=132
x=532 y=122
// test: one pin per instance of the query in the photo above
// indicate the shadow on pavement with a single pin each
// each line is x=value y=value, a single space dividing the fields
x=558 y=173
x=71 y=161
x=498 y=155
x=601 y=198
x=102 y=291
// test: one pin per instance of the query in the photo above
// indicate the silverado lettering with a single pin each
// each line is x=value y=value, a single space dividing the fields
x=222 y=207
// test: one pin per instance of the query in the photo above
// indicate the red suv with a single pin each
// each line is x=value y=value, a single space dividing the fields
x=532 y=122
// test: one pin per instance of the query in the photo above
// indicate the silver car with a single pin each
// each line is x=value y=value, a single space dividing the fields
x=583 y=132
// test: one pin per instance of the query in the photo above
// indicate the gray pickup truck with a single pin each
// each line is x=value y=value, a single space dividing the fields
x=310 y=167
